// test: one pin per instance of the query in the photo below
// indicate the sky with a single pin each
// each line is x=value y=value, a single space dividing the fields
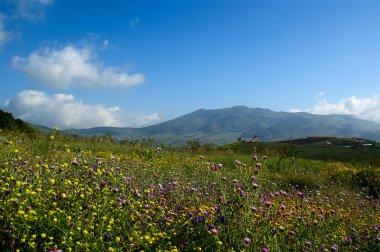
x=81 y=64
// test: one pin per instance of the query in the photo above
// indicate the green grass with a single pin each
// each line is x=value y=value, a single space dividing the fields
x=61 y=193
x=343 y=151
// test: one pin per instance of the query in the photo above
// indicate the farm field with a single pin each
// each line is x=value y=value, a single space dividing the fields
x=64 y=194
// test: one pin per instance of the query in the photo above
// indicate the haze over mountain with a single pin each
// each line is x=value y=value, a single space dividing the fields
x=220 y=126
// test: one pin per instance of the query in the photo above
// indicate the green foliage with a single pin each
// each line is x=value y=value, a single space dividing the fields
x=8 y=122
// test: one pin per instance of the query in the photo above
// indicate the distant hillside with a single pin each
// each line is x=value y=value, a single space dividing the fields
x=221 y=126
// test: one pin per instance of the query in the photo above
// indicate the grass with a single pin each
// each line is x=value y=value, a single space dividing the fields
x=63 y=194
x=342 y=150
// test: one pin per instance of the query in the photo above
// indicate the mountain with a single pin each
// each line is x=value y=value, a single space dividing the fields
x=221 y=126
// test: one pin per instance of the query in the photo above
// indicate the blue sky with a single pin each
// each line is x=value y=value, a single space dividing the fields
x=69 y=63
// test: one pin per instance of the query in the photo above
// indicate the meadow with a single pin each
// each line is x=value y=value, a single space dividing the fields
x=60 y=193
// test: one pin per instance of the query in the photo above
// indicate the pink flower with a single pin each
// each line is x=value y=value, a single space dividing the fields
x=214 y=231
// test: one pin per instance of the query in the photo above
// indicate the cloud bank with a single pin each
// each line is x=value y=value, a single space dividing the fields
x=65 y=111
x=73 y=66
x=364 y=108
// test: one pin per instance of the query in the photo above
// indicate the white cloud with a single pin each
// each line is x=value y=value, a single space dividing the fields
x=143 y=120
x=364 y=108
x=20 y=9
x=72 y=66
x=5 y=36
x=66 y=111
x=134 y=21
x=31 y=9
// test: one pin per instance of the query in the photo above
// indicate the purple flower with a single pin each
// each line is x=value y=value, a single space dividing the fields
x=214 y=231
x=255 y=186
x=334 y=247
x=238 y=162
x=292 y=232
x=247 y=241
x=254 y=157
x=300 y=194
x=265 y=249
x=268 y=203
x=308 y=243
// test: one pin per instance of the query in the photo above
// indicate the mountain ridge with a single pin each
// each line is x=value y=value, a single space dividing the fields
x=225 y=125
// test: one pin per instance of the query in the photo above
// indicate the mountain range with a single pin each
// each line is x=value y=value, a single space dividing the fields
x=221 y=126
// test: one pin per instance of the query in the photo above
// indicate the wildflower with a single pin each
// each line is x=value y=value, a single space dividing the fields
x=292 y=232
x=255 y=186
x=214 y=231
x=55 y=250
x=247 y=241
x=308 y=243
x=265 y=249
x=268 y=203
x=334 y=247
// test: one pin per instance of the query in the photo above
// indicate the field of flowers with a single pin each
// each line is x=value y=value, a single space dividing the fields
x=61 y=194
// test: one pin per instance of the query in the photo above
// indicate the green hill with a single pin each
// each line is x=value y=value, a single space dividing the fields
x=8 y=122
